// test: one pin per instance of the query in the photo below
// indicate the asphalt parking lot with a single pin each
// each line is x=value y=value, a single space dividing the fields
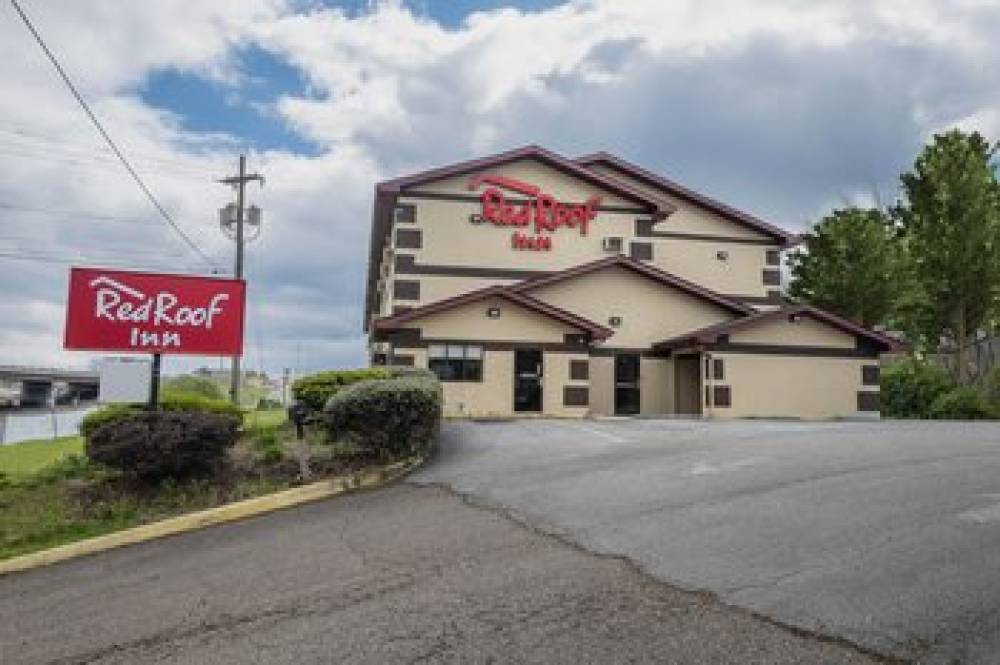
x=885 y=534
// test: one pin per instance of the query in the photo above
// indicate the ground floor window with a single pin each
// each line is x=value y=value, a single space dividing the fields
x=456 y=362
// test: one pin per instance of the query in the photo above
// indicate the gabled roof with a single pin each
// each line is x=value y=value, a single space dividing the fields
x=710 y=334
x=656 y=205
x=676 y=189
x=387 y=191
x=646 y=270
x=596 y=331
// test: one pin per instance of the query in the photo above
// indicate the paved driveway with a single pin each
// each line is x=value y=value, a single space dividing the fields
x=885 y=534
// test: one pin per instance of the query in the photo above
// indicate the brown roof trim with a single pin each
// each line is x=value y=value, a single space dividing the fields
x=597 y=331
x=643 y=269
x=710 y=334
x=659 y=207
x=786 y=238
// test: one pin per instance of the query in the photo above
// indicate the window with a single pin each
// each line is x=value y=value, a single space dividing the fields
x=409 y=239
x=718 y=369
x=644 y=228
x=772 y=257
x=870 y=375
x=722 y=396
x=868 y=401
x=456 y=362
x=404 y=214
x=576 y=396
x=579 y=370
x=406 y=289
x=771 y=277
x=641 y=251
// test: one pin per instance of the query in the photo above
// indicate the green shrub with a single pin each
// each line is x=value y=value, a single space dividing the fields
x=315 y=390
x=963 y=403
x=181 y=401
x=991 y=386
x=171 y=401
x=390 y=417
x=198 y=385
x=911 y=386
x=150 y=446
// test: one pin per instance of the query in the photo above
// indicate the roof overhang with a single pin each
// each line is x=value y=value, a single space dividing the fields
x=596 y=331
x=784 y=238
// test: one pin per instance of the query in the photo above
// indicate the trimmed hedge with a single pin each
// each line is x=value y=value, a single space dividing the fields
x=391 y=417
x=150 y=446
x=315 y=390
x=171 y=401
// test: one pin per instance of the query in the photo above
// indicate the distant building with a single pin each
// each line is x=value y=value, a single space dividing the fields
x=37 y=387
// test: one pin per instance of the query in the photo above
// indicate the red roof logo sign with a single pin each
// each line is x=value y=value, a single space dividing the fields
x=541 y=211
x=112 y=310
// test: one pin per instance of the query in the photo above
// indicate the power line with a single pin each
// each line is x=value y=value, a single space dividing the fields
x=107 y=137
x=77 y=214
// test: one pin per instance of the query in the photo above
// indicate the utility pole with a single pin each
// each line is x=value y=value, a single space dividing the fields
x=238 y=182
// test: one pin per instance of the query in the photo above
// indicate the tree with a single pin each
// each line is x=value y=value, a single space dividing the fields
x=849 y=264
x=950 y=219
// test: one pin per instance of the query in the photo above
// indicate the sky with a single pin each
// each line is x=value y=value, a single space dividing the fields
x=785 y=109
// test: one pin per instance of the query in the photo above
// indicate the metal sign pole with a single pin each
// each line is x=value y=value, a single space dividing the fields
x=154 y=383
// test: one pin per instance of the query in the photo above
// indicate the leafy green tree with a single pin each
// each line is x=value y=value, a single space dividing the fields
x=950 y=219
x=849 y=264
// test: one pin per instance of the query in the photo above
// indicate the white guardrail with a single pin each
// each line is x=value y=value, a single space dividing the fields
x=17 y=426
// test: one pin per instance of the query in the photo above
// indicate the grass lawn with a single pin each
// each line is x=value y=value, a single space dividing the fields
x=48 y=498
x=19 y=461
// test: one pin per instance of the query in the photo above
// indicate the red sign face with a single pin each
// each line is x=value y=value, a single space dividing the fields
x=541 y=210
x=112 y=310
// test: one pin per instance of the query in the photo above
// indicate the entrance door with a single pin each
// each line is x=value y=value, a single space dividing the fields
x=528 y=380
x=687 y=385
x=627 y=384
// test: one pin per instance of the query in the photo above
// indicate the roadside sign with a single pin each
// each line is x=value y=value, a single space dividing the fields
x=155 y=313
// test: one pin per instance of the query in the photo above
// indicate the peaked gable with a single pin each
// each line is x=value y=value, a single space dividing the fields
x=628 y=169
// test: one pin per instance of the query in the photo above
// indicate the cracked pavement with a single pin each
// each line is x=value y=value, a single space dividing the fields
x=883 y=534
x=404 y=574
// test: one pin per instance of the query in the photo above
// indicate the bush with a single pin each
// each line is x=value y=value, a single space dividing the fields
x=198 y=385
x=910 y=387
x=390 y=417
x=150 y=446
x=963 y=403
x=315 y=390
x=172 y=401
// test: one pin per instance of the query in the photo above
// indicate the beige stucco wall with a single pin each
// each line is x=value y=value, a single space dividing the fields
x=470 y=322
x=449 y=238
x=791 y=386
x=804 y=332
x=436 y=287
x=555 y=376
x=602 y=385
x=697 y=260
x=656 y=386
x=651 y=312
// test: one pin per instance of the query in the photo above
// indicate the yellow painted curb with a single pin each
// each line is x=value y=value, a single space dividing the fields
x=219 y=515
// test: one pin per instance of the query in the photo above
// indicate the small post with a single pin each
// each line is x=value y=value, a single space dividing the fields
x=154 y=384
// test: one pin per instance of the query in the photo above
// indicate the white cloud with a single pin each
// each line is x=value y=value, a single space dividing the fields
x=778 y=106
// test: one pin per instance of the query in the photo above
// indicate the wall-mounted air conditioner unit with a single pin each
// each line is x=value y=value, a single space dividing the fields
x=612 y=244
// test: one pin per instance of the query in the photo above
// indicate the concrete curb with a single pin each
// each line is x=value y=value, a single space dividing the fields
x=229 y=512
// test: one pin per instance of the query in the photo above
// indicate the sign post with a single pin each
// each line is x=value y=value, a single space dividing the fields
x=154 y=313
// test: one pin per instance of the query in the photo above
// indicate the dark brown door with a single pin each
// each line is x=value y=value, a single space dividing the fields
x=627 y=384
x=687 y=385
x=528 y=380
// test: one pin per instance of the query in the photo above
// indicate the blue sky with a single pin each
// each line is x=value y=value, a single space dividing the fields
x=244 y=108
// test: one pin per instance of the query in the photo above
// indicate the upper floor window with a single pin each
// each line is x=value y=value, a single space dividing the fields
x=404 y=213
